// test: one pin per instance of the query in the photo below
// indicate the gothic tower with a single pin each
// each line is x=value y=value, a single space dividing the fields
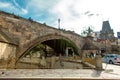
x=106 y=32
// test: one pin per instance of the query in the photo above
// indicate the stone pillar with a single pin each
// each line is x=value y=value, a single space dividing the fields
x=66 y=52
x=53 y=60
x=98 y=62
x=83 y=56
x=43 y=62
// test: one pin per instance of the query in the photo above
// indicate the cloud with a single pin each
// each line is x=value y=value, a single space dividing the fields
x=41 y=10
x=74 y=14
x=73 y=17
x=18 y=7
x=40 y=5
x=18 y=11
x=9 y=7
x=70 y=14
x=24 y=11
x=4 y=4
x=16 y=4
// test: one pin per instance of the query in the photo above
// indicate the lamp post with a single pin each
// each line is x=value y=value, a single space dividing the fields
x=58 y=23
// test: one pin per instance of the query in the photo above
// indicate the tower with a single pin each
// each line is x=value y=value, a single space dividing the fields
x=106 y=32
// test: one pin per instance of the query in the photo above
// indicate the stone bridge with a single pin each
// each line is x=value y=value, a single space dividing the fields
x=26 y=34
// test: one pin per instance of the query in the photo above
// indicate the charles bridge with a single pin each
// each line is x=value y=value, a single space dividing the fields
x=23 y=34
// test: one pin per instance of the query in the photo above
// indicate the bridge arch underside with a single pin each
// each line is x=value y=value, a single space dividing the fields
x=57 y=42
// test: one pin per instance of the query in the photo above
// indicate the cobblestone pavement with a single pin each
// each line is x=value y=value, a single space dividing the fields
x=110 y=72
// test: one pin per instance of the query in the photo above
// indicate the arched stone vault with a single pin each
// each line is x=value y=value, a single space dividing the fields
x=45 y=38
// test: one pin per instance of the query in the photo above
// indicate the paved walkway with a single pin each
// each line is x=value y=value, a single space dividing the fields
x=110 y=72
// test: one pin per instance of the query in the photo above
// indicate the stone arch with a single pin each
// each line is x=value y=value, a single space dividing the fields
x=34 y=42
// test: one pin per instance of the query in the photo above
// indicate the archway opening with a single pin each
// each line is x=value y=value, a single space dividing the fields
x=60 y=45
x=48 y=54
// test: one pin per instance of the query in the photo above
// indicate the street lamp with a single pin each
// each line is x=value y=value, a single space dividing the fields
x=58 y=23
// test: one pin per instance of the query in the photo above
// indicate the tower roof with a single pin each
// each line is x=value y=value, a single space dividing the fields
x=106 y=32
x=106 y=26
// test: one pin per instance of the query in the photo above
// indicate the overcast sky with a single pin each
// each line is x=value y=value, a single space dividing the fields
x=74 y=14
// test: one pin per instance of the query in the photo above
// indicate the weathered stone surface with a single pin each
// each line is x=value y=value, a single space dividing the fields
x=7 y=55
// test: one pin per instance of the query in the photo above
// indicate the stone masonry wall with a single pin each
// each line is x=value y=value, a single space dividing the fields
x=26 y=32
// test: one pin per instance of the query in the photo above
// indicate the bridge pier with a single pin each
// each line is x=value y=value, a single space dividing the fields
x=98 y=62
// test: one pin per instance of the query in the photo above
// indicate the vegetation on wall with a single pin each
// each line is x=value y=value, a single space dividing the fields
x=58 y=45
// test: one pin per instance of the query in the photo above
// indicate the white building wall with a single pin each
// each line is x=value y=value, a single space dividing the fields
x=3 y=47
x=7 y=50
